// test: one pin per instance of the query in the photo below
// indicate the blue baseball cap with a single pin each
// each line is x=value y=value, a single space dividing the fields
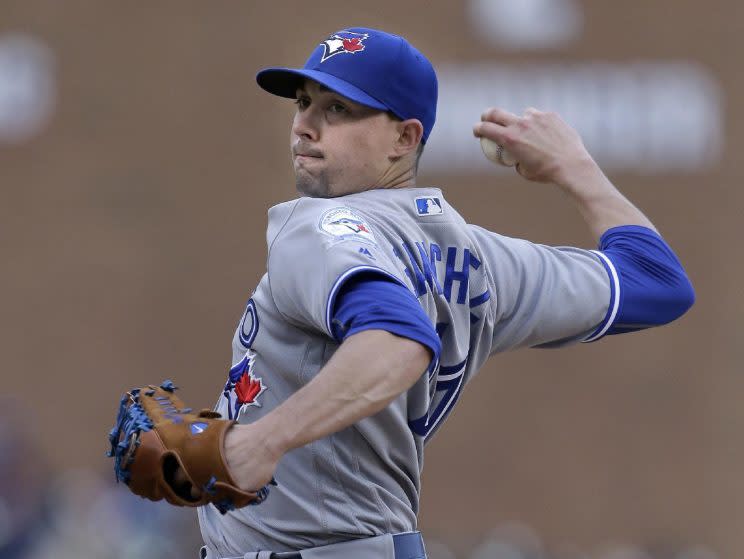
x=369 y=66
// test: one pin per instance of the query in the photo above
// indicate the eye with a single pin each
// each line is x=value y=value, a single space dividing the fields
x=302 y=102
x=337 y=108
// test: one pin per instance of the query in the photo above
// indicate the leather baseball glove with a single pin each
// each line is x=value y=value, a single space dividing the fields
x=156 y=436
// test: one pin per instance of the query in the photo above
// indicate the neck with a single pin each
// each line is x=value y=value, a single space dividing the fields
x=397 y=177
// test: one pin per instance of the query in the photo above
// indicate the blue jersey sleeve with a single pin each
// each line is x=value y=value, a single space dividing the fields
x=649 y=285
x=371 y=301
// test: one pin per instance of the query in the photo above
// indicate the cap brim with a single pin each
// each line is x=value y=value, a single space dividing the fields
x=285 y=82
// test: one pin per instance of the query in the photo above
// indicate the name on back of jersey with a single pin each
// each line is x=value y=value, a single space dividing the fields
x=444 y=271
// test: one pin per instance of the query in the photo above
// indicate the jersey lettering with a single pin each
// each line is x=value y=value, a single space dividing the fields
x=420 y=276
x=452 y=274
x=248 y=328
x=456 y=269
x=459 y=262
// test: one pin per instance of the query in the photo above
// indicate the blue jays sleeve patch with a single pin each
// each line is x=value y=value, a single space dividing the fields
x=344 y=224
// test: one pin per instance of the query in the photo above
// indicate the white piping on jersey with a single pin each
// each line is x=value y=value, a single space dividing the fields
x=616 y=303
x=450 y=376
x=340 y=281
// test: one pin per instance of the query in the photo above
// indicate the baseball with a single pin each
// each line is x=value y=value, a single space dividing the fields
x=496 y=153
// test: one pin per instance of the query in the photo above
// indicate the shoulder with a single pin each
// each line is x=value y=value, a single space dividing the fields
x=316 y=223
x=318 y=245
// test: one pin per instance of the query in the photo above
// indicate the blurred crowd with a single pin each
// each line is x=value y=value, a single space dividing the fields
x=47 y=514
x=519 y=541
x=81 y=515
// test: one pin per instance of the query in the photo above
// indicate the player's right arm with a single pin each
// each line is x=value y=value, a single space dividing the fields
x=367 y=372
x=329 y=277
x=645 y=283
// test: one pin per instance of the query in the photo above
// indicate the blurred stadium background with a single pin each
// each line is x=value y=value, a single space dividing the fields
x=138 y=159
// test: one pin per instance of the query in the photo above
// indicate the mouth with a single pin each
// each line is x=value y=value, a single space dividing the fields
x=306 y=161
x=306 y=153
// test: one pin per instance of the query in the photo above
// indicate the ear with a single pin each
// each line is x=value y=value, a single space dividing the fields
x=409 y=135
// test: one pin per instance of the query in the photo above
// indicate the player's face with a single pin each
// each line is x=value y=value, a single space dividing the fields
x=339 y=146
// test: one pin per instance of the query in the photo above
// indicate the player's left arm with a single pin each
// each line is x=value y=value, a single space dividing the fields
x=387 y=343
x=650 y=286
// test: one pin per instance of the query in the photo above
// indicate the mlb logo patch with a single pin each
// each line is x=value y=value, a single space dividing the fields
x=429 y=205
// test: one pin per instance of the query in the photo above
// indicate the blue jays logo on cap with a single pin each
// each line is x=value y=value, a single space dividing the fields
x=429 y=205
x=344 y=41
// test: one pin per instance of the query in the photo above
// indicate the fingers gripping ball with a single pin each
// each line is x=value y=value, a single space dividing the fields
x=497 y=153
x=156 y=435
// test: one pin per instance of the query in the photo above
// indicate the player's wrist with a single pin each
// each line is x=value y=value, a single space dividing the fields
x=249 y=455
x=582 y=178
x=601 y=204
x=275 y=433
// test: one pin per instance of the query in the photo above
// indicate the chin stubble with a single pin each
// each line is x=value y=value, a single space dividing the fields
x=312 y=186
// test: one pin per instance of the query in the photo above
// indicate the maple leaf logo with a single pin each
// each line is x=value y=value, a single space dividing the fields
x=243 y=388
x=247 y=389
x=353 y=45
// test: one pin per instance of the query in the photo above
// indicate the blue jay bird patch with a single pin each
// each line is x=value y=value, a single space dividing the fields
x=429 y=205
x=344 y=41
x=344 y=224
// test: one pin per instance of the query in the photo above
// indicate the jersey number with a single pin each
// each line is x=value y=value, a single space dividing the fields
x=449 y=385
x=248 y=328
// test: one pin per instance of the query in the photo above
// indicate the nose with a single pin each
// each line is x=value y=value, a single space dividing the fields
x=305 y=125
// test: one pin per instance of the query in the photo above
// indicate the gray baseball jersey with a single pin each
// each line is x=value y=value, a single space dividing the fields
x=483 y=292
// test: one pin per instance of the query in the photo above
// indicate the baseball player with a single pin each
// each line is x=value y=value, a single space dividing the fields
x=380 y=303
